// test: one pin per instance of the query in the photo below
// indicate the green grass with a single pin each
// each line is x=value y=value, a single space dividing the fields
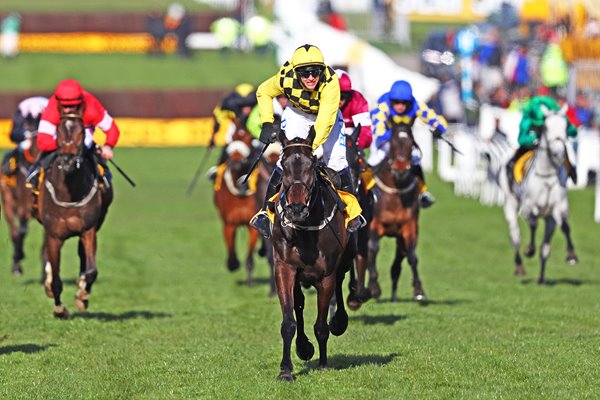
x=206 y=69
x=72 y=6
x=167 y=321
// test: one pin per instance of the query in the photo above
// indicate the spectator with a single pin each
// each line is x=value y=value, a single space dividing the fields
x=156 y=29
x=178 y=24
x=9 y=38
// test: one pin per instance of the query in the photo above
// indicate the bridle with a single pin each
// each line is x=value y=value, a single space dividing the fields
x=394 y=161
x=78 y=156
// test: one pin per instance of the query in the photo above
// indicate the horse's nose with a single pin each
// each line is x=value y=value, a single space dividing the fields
x=298 y=211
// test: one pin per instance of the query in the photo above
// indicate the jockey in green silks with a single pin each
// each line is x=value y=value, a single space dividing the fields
x=531 y=127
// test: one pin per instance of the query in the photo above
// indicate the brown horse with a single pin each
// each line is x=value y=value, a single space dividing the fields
x=265 y=169
x=16 y=197
x=396 y=213
x=309 y=240
x=235 y=202
x=71 y=204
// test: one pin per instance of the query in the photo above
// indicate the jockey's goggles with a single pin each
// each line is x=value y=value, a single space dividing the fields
x=70 y=102
x=405 y=102
x=306 y=72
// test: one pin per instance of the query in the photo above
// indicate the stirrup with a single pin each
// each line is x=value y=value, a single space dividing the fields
x=262 y=224
x=356 y=223
x=426 y=200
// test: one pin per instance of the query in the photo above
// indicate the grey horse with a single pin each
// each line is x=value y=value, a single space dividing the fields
x=542 y=193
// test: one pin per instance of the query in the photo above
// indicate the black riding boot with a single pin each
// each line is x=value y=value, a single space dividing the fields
x=348 y=187
x=426 y=199
x=212 y=171
x=261 y=221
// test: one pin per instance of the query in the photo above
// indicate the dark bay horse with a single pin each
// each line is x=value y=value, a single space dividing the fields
x=71 y=204
x=358 y=165
x=396 y=213
x=235 y=202
x=16 y=197
x=309 y=240
x=265 y=169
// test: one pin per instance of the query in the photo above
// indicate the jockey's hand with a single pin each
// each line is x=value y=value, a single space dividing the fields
x=106 y=152
x=267 y=133
x=211 y=143
x=28 y=134
x=437 y=133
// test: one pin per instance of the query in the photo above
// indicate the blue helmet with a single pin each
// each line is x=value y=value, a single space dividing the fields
x=401 y=91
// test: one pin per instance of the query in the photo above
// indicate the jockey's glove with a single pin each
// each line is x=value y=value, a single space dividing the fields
x=267 y=133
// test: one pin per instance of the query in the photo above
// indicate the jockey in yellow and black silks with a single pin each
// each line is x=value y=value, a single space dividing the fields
x=399 y=106
x=313 y=93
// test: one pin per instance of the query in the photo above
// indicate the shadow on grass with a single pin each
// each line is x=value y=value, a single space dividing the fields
x=255 y=281
x=122 y=317
x=28 y=348
x=346 y=361
x=555 y=282
x=378 y=319
x=426 y=303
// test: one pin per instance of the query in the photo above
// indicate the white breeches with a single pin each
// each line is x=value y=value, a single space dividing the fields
x=297 y=123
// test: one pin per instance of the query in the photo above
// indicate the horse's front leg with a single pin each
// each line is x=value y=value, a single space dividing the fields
x=232 y=261
x=285 y=279
x=339 y=320
x=511 y=216
x=530 y=249
x=304 y=348
x=324 y=292
x=372 y=265
x=252 y=239
x=571 y=255
x=19 y=254
x=53 y=284
x=359 y=293
x=550 y=226
x=87 y=268
x=397 y=267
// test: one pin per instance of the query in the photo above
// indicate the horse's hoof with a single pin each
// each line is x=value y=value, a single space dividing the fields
x=338 y=324
x=233 y=265
x=61 y=312
x=420 y=297
x=262 y=251
x=305 y=350
x=353 y=303
x=375 y=289
x=81 y=305
x=572 y=259
x=519 y=270
x=48 y=289
x=17 y=270
x=286 y=377
x=529 y=252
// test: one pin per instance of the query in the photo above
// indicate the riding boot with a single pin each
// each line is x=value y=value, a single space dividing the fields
x=348 y=186
x=426 y=199
x=104 y=173
x=9 y=163
x=261 y=221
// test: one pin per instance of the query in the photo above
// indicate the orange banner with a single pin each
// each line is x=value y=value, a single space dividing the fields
x=91 y=42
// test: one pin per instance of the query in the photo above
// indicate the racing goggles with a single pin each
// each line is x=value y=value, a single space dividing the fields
x=307 y=72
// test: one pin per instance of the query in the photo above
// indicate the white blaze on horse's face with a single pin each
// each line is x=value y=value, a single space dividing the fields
x=556 y=133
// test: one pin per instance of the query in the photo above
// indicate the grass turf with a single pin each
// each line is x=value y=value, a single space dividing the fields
x=166 y=319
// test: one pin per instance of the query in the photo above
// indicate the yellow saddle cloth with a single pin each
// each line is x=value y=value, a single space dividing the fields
x=252 y=180
x=352 y=211
x=522 y=165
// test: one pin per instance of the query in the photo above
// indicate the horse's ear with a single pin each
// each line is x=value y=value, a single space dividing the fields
x=311 y=135
x=545 y=111
x=282 y=139
x=564 y=109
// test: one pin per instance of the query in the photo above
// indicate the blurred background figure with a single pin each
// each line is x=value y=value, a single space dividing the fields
x=227 y=30
x=156 y=28
x=177 y=24
x=258 y=31
x=332 y=18
x=9 y=37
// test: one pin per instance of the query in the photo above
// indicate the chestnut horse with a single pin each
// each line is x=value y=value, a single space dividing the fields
x=396 y=213
x=235 y=202
x=71 y=204
x=309 y=242
x=16 y=197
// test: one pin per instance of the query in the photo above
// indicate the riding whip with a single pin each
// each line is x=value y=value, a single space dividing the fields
x=451 y=145
x=131 y=182
x=194 y=181
x=244 y=178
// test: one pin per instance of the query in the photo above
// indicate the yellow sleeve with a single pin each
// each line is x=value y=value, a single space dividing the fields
x=265 y=94
x=328 y=111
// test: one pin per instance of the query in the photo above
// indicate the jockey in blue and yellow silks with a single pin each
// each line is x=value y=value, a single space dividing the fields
x=399 y=106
